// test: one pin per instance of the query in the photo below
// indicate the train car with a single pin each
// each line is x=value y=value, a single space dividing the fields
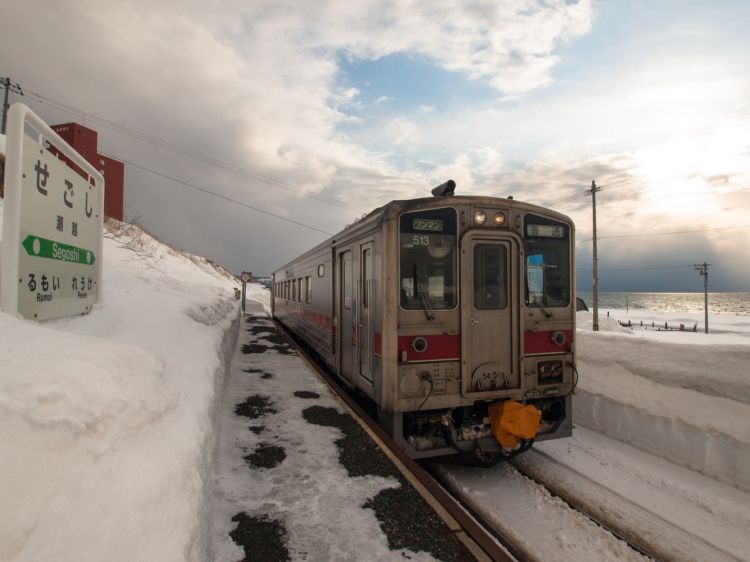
x=454 y=315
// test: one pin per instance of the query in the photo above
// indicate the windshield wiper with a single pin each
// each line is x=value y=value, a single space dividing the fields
x=425 y=302
x=542 y=302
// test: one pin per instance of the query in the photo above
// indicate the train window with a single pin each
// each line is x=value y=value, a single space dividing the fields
x=366 y=276
x=347 y=265
x=300 y=296
x=321 y=270
x=428 y=269
x=548 y=275
x=308 y=289
x=490 y=276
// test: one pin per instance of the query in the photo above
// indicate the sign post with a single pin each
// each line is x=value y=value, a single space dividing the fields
x=246 y=275
x=52 y=228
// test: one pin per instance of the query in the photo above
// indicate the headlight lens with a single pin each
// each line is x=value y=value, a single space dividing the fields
x=499 y=219
x=480 y=217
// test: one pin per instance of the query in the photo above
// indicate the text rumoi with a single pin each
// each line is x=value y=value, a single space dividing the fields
x=43 y=248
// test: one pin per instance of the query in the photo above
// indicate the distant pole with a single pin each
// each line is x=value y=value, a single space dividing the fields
x=702 y=268
x=6 y=82
x=16 y=90
x=592 y=192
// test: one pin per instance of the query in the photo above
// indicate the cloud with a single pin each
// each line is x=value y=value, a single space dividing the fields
x=511 y=44
x=258 y=87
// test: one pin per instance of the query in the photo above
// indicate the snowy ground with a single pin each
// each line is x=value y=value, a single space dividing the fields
x=662 y=439
x=106 y=419
x=292 y=480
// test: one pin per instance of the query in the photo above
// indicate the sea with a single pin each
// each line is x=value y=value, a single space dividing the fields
x=721 y=303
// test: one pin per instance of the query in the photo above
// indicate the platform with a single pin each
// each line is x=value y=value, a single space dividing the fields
x=297 y=477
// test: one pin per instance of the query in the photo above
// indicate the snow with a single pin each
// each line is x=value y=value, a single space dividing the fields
x=310 y=491
x=706 y=510
x=543 y=526
x=108 y=424
x=106 y=419
x=661 y=446
x=687 y=403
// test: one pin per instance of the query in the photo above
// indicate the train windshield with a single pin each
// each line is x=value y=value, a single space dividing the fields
x=427 y=241
x=547 y=262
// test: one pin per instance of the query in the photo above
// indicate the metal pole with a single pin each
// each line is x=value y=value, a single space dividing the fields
x=592 y=192
x=5 y=104
x=705 y=295
x=702 y=268
x=244 y=292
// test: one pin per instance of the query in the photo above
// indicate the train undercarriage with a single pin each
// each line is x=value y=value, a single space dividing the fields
x=468 y=430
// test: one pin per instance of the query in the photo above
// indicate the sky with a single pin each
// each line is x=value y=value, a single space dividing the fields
x=298 y=117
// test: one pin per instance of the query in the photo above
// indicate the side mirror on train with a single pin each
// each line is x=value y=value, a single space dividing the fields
x=444 y=189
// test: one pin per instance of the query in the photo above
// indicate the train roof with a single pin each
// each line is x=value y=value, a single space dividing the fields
x=392 y=210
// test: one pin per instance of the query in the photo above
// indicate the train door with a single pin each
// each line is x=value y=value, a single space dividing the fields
x=365 y=311
x=489 y=314
x=346 y=327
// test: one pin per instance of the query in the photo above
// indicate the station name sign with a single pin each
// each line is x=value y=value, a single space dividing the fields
x=52 y=228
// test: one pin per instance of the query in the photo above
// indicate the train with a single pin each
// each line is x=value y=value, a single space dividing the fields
x=453 y=316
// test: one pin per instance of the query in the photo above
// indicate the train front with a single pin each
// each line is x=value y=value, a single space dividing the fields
x=484 y=361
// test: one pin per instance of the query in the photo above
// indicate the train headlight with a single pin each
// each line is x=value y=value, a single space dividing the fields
x=480 y=217
x=499 y=219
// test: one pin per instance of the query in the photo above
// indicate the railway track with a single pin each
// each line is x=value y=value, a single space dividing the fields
x=642 y=529
x=483 y=540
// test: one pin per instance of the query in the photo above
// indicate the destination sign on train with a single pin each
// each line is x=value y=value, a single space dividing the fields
x=545 y=231
x=431 y=225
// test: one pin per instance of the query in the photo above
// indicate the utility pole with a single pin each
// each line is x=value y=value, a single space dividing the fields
x=6 y=82
x=702 y=268
x=592 y=192
x=17 y=90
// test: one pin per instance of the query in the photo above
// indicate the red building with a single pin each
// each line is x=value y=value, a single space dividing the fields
x=84 y=141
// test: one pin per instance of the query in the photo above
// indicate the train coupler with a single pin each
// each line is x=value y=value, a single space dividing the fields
x=513 y=423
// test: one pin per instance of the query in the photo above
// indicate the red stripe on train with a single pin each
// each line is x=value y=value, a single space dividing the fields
x=541 y=341
x=439 y=348
x=320 y=320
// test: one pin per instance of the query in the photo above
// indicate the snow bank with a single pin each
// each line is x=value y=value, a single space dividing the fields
x=687 y=403
x=679 y=513
x=107 y=420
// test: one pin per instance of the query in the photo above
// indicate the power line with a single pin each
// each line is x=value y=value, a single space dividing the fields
x=603 y=187
x=674 y=232
x=185 y=152
x=637 y=268
x=621 y=183
x=224 y=197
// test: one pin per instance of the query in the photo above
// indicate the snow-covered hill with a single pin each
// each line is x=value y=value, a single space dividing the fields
x=106 y=420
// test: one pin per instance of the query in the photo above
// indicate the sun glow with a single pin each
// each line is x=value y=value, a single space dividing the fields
x=687 y=175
